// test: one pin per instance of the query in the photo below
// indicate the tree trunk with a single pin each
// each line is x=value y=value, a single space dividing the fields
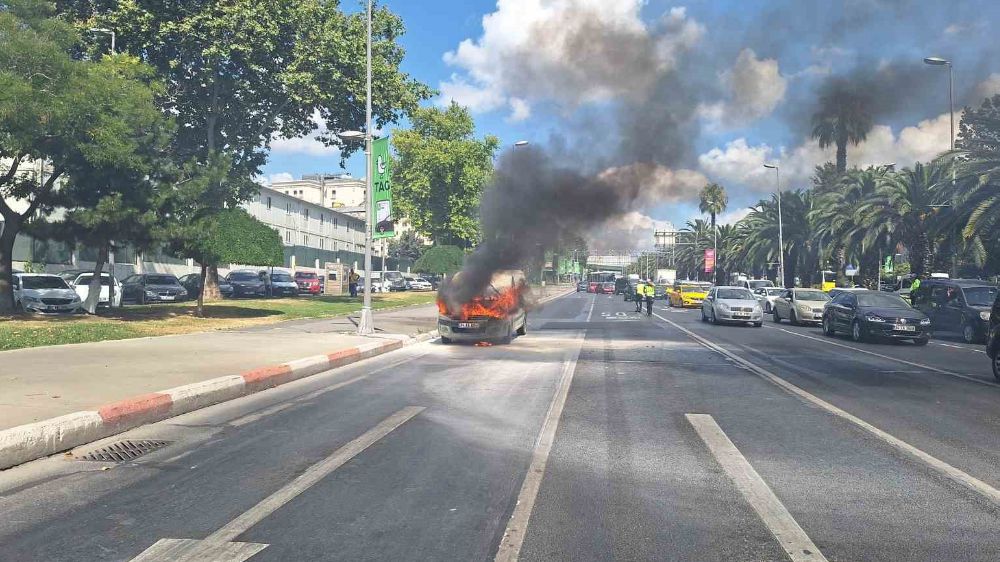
x=94 y=290
x=200 y=310
x=842 y=156
x=7 y=236
x=210 y=283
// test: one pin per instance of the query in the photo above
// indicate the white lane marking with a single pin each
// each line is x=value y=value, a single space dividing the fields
x=209 y=549
x=953 y=346
x=517 y=527
x=591 y=313
x=950 y=472
x=891 y=358
x=755 y=490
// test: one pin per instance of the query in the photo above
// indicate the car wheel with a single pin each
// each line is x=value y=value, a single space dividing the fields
x=703 y=317
x=714 y=320
x=445 y=340
x=758 y=324
x=141 y=299
x=857 y=332
x=775 y=316
x=767 y=307
x=968 y=333
x=921 y=341
x=828 y=326
x=996 y=366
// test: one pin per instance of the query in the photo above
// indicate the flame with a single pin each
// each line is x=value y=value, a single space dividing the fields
x=500 y=305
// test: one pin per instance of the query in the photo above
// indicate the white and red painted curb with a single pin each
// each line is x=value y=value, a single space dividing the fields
x=35 y=440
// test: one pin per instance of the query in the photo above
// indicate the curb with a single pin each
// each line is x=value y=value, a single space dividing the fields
x=32 y=441
x=28 y=442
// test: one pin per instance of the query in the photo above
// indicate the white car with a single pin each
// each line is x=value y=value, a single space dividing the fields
x=766 y=297
x=731 y=304
x=420 y=284
x=45 y=293
x=81 y=284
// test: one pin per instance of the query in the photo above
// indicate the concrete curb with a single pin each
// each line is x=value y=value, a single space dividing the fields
x=32 y=441
x=28 y=442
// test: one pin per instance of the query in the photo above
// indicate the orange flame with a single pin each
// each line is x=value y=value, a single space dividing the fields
x=500 y=305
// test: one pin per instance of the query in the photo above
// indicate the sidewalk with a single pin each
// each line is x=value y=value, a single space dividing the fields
x=45 y=382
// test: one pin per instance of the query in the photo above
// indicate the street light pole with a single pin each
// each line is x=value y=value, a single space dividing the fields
x=366 y=324
x=781 y=237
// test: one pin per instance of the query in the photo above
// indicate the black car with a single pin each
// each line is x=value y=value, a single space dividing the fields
x=143 y=288
x=246 y=284
x=192 y=282
x=872 y=314
x=993 y=338
x=280 y=284
x=961 y=306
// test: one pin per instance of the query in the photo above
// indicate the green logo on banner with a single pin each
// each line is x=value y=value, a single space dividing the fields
x=381 y=173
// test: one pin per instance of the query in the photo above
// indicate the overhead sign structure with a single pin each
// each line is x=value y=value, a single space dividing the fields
x=709 y=260
x=381 y=174
x=850 y=270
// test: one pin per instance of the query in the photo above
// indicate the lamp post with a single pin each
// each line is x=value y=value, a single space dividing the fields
x=521 y=143
x=938 y=61
x=781 y=237
x=366 y=325
x=110 y=32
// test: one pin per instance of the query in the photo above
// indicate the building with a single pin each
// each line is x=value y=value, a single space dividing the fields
x=325 y=190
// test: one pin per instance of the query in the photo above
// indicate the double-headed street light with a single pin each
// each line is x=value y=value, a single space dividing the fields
x=781 y=237
x=938 y=61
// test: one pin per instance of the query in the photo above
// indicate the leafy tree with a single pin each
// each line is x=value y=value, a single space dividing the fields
x=835 y=217
x=444 y=259
x=407 y=246
x=843 y=117
x=693 y=240
x=243 y=72
x=440 y=173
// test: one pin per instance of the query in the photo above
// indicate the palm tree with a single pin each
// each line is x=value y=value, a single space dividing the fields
x=843 y=117
x=713 y=200
x=760 y=233
x=835 y=215
x=693 y=240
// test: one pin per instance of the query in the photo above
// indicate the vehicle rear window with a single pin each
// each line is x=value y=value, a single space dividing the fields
x=161 y=280
x=393 y=275
x=281 y=278
x=980 y=296
x=735 y=294
x=306 y=275
x=881 y=300
x=43 y=282
x=761 y=283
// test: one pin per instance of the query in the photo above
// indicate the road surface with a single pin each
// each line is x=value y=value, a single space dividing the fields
x=601 y=435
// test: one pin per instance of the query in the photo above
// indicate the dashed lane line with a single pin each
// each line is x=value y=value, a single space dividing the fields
x=943 y=468
x=755 y=490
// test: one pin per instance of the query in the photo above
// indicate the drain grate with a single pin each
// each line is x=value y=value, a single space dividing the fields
x=124 y=450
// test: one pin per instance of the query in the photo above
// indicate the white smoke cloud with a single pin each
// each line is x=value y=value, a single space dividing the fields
x=754 y=88
x=570 y=52
x=631 y=231
x=657 y=184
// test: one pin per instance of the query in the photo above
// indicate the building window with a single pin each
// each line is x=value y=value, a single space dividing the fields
x=288 y=208
x=322 y=219
x=305 y=240
x=268 y=203
x=335 y=223
x=288 y=236
x=320 y=243
x=307 y=214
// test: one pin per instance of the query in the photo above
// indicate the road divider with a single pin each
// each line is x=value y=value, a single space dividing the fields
x=954 y=474
x=755 y=491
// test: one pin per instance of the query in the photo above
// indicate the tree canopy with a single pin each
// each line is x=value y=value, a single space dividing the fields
x=443 y=259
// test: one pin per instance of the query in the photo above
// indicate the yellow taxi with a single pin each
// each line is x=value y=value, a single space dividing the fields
x=689 y=294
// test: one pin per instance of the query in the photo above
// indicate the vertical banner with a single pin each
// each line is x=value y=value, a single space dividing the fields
x=385 y=219
x=709 y=260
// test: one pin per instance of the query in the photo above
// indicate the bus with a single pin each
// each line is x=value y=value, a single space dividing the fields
x=596 y=278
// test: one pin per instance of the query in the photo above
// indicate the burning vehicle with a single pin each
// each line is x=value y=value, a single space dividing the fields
x=497 y=313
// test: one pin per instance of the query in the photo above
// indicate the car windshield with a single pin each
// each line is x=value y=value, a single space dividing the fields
x=85 y=280
x=735 y=294
x=760 y=283
x=881 y=300
x=980 y=296
x=161 y=280
x=243 y=276
x=393 y=275
x=811 y=295
x=281 y=278
x=43 y=282
x=306 y=275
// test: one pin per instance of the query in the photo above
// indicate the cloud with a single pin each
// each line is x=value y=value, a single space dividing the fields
x=753 y=87
x=306 y=144
x=986 y=89
x=630 y=231
x=732 y=217
x=269 y=180
x=741 y=163
x=570 y=52
x=657 y=184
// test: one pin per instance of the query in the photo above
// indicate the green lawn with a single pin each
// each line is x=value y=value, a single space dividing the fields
x=165 y=319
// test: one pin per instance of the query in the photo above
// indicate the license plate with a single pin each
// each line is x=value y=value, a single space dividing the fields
x=468 y=325
x=167 y=298
x=904 y=328
x=741 y=315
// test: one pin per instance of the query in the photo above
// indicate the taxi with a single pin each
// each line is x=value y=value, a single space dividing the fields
x=689 y=294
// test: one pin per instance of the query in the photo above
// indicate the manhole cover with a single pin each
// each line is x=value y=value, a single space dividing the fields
x=124 y=450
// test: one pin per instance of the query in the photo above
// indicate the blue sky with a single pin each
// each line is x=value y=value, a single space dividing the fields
x=748 y=73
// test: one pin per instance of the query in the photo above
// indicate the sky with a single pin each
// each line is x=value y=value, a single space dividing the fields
x=689 y=93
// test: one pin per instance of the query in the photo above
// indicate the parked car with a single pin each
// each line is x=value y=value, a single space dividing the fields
x=434 y=279
x=873 y=314
x=608 y=288
x=731 y=304
x=246 y=284
x=143 y=288
x=621 y=285
x=800 y=306
x=192 y=283
x=420 y=284
x=993 y=338
x=81 y=285
x=308 y=282
x=581 y=286
x=767 y=295
x=70 y=275
x=44 y=293
x=393 y=281
x=754 y=284
x=960 y=306
x=281 y=284
x=594 y=287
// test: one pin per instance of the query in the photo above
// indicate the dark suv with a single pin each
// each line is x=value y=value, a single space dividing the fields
x=993 y=338
x=960 y=306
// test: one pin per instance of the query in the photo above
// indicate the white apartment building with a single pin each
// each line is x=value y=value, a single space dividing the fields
x=325 y=190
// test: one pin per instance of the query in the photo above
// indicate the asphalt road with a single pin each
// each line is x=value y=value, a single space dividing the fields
x=601 y=435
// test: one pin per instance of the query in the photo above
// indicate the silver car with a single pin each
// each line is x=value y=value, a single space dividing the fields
x=766 y=296
x=800 y=306
x=44 y=293
x=732 y=305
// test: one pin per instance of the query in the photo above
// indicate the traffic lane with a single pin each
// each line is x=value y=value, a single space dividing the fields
x=629 y=479
x=950 y=418
x=507 y=388
x=573 y=306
